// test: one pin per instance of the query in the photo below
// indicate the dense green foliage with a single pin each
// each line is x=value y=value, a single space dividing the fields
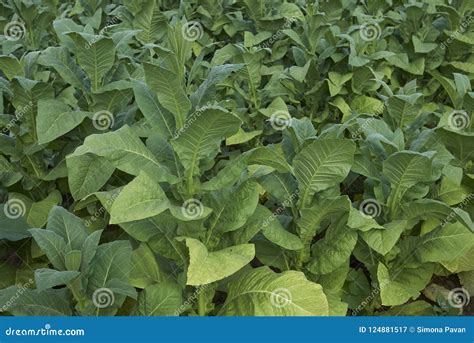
x=236 y=157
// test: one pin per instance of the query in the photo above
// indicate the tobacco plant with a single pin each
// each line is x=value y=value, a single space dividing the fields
x=236 y=157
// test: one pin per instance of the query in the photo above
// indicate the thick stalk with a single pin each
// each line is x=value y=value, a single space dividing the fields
x=201 y=302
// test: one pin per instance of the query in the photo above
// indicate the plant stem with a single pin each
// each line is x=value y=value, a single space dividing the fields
x=201 y=302
x=190 y=185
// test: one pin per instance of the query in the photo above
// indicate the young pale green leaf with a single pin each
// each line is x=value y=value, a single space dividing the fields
x=140 y=199
x=384 y=239
x=201 y=138
x=404 y=170
x=169 y=91
x=399 y=285
x=445 y=243
x=272 y=294
x=95 y=56
x=207 y=267
x=322 y=164
x=275 y=232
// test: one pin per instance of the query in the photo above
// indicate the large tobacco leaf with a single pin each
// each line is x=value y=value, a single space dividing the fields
x=236 y=158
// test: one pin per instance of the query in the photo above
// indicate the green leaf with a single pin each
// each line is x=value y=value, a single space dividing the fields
x=170 y=93
x=272 y=294
x=202 y=137
x=59 y=59
x=384 y=239
x=111 y=263
x=95 y=56
x=207 y=267
x=140 y=199
x=162 y=299
x=87 y=174
x=232 y=208
x=71 y=228
x=11 y=67
x=404 y=170
x=399 y=285
x=52 y=244
x=160 y=119
x=275 y=232
x=50 y=302
x=55 y=119
x=445 y=243
x=12 y=228
x=321 y=165
x=49 y=278
x=334 y=250
x=126 y=152
x=145 y=270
